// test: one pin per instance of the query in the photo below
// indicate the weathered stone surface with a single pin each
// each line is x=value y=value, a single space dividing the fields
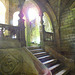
x=9 y=43
x=16 y=62
x=42 y=69
x=68 y=33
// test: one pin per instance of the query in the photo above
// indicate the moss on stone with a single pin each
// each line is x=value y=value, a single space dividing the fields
x=16 y=62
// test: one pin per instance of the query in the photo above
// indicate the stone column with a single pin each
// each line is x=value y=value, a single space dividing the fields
x=42 y=32
x=21 y=35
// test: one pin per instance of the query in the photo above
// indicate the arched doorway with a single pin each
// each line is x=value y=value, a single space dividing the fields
x=32 y=23
x=2 y=13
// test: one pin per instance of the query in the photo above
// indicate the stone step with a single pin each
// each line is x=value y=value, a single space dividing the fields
x=59 y=68
x=37 y=50
x=49 y=61
x=64 y=71
x=45 y=58
x=40 y=54
x=54 y=66
x=32 y=47
x=61 y=72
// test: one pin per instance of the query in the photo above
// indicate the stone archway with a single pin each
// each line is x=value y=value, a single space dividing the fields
x=45 y=7
x=32 y=13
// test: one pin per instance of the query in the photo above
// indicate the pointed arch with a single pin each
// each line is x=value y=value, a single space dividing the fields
x=47 y=23
x=15 y=18
x=32 y=13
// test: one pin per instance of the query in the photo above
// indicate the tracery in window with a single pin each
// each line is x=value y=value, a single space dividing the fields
x=47 y=23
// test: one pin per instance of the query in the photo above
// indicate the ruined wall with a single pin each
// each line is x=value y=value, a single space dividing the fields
x=65 y=17
x=68 y=32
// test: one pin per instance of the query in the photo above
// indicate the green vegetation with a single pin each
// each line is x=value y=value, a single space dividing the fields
x=47 y=23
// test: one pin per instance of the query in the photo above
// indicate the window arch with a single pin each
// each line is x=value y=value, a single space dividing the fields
x=47 y=23
x=2 y=13
x=15 y=18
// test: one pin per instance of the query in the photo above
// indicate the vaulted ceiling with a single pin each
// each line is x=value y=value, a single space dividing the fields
x=57 y=6
x=53 y=3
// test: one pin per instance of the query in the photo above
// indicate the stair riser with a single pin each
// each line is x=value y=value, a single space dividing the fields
x=51 y=64
x=45 y=59
x=31 y=48
x=48 y=61
x=37 y=51
x=40 y=55
x=57 y=69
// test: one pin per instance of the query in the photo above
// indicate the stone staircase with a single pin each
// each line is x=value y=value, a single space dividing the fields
x=54 y=65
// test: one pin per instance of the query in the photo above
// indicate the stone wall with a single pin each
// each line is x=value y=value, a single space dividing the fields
x=13 y=7
x=55 y=5
x=67 y=31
